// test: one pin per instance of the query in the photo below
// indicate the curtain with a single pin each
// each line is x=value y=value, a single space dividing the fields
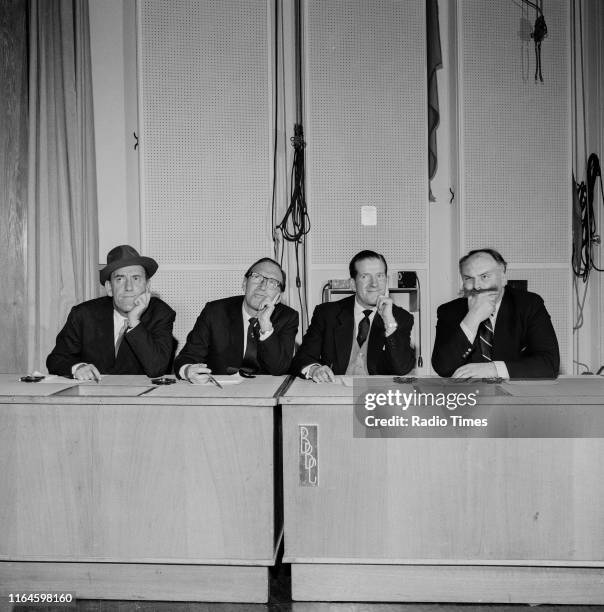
x=13 y=183
x=62 y=216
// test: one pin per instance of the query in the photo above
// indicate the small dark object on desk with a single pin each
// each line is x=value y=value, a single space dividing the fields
x=163 y=380
x=404 y=380
x=243 y=372
x=31 y=378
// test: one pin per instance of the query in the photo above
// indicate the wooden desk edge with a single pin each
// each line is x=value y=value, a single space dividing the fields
x=485 y=401
x=443 y=562
x=145 y=400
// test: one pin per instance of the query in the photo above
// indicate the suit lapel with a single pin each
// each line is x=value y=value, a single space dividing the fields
x=343 y=334
x=503 y=326
x=235 y=317
x=106 y=342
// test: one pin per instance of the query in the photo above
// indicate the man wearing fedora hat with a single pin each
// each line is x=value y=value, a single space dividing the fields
x=126 y=332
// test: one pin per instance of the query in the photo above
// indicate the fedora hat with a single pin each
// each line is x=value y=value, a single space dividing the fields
x=125 y=255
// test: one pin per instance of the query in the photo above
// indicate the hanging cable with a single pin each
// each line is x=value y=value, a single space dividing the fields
x=584 y=217
x=584 y=223
x=296 y=223
x=538 y=34
x=275 y=237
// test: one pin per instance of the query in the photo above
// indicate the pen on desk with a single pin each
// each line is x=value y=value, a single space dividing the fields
x=213 y=380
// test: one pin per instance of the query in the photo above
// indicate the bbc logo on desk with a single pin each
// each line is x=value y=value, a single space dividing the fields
x=308 y=461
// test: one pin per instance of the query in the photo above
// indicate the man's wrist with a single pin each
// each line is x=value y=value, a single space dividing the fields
x=471 y=323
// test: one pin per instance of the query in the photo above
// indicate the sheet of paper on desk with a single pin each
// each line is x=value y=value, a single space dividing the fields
x=235 y=379
x=54 y=378
x=186 y=389
x=23 y=388
x=113 y=380
x=127 y=380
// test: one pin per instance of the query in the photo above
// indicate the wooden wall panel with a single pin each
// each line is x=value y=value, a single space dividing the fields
x=13 y=182
x=515 y=149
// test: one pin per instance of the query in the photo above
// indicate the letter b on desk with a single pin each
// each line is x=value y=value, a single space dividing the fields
x=308 y=455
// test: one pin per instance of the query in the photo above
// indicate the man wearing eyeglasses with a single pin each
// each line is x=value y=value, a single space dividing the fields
x=360 y=335
x=253 y=332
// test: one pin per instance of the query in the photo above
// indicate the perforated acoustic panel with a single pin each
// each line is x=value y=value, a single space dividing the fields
x=554 y=286
x=187 y=292
x=365 y=79
x=205 y=112
x=515 y=142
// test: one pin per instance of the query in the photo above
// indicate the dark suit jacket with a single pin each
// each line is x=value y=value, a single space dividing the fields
x=328 y=341
x=524 y=337
x=217 y=339
x=88 y=337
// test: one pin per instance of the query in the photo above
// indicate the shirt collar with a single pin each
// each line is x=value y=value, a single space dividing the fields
x=244 y=312
x=497 y=306
x=118 y=319
x=358 y=310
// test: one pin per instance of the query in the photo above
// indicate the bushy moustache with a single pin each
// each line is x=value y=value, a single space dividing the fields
x=473 y=292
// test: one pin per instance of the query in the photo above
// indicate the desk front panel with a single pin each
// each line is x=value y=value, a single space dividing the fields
x=128 y=480
x=459 y=501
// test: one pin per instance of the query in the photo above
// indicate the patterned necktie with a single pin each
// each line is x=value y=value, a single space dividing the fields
x=120 y=336
x=364 y=325
x=250 y=359
x=485 y=340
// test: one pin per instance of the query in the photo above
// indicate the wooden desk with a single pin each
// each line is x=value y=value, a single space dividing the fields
x=457 y=520
x=165 y=496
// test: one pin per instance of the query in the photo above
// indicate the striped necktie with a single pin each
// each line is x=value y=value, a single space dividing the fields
x=485 y=340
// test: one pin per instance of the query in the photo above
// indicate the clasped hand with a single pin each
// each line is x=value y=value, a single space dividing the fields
x=481 y=305
x=384 y=308
x=197 y=373
x=322 y=374
x=265 y=312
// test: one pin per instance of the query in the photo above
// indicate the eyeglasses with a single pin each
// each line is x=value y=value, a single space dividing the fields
x=272 y=283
